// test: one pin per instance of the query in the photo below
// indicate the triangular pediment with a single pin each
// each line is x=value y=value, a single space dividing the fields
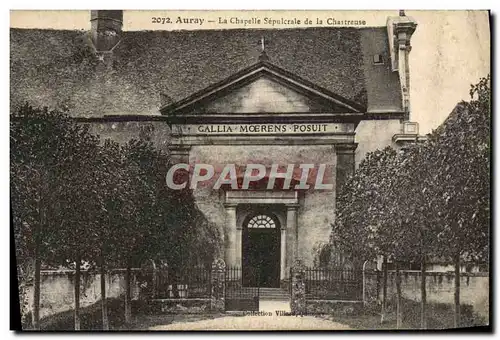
x=262 y=88
x=262 y=95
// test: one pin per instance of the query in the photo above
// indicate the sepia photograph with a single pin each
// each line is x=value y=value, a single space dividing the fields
x=214 y=170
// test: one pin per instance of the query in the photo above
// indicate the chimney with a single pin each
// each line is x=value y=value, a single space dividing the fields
x=400 y=30
x=106 y=29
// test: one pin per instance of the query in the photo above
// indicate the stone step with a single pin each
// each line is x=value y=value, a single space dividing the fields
x=274 y=298
x=273 y=294
x=266 y=293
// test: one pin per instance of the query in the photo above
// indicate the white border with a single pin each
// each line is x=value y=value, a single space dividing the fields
x=187 y=4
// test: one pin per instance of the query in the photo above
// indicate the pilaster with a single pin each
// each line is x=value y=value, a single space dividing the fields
x=233 y=238
x=179 y=153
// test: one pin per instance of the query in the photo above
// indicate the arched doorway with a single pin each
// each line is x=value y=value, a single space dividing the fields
x=261 y=250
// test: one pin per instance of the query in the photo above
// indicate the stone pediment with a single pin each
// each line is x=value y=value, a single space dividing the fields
x=262 y=95
x=262 y=89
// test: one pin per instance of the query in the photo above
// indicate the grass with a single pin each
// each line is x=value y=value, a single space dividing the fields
x=91 y=318
x=439 y=316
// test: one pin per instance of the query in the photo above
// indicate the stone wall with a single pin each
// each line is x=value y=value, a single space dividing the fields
x=474 y=288
x=57 y=289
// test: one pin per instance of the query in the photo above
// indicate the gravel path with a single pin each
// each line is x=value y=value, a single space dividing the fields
x=267 y=320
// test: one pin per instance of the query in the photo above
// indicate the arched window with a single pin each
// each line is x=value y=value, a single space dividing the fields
x=261 y=222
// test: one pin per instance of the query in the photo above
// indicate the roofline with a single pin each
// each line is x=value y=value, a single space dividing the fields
x=283 y=118
x=221 y=118
x=262 y=66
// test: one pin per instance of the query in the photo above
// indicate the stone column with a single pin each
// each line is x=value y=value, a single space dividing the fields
x=298 y=300
x=232 y=232
x=283 y=260
x=238 y=251
x=345 y=163
x=293 y=233
x=179 y=153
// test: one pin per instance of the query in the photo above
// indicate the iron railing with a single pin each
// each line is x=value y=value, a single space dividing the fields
x=334 y=284
x=235 y=287
x=237 y=296
x=194 y=282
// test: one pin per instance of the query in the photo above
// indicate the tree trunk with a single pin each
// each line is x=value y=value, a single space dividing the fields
x=36 y=288
x=38 y=268
x=399 y=311
x=175 y=288
x=38 y=261
x=384 y=291
x=457 y=291
x=104 y=307
x=128 y=307
x=423 y=319
x=77 y=294
x=378 y=285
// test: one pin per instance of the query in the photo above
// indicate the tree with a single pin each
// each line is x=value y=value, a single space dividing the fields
x=431 y=196
x=75 y=233
x=77 y=200
x=365 y=210
x=135 y=207
x=462 y=146
x=47 y=152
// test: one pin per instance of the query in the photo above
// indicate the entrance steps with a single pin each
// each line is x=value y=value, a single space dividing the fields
x=273 y=294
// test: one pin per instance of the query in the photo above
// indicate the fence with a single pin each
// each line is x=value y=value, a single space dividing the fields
x=333 y=284
x=238 y=297
x=187 y=283
x=217 y=288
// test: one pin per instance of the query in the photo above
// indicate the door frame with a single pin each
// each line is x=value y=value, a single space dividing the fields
x=266 y=210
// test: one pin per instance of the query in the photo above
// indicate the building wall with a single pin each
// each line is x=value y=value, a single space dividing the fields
x=317 y=206
x=316 y=212
x=375 y=134
x=370 y=136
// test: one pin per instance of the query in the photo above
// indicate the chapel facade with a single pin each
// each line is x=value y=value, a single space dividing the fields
x=317 y=96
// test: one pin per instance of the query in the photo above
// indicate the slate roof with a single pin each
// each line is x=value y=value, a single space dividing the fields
x=59 y=69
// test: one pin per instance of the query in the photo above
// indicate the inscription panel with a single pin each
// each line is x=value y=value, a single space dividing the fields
x=262 y=129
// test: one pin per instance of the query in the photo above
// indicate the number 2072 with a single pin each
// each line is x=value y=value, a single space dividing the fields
x=161 y=20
